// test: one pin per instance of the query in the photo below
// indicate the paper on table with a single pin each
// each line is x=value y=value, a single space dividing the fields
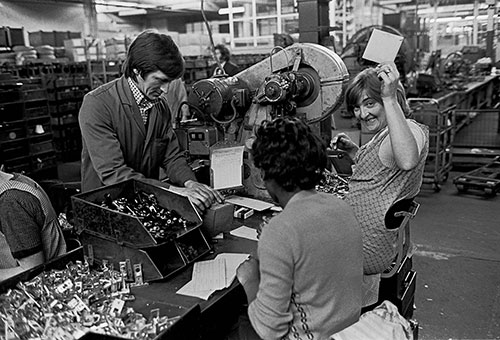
x=248 y=202
x=245 y=232
x=226 y=167
x=209 y=275
x=382 y=46
x=233 y=260
x=188 y=289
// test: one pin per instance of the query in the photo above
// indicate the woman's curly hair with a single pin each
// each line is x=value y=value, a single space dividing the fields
x=287 y=151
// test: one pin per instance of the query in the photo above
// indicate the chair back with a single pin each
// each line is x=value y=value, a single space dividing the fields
x=398 y=217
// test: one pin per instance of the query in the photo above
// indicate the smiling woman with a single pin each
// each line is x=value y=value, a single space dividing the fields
x=389 y=167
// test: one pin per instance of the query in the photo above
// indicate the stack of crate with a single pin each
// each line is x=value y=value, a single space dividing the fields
x=441 y=123
x=66 y=85
x=25 y=128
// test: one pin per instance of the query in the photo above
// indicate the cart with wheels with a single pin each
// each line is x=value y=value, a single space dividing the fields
x=485 y=180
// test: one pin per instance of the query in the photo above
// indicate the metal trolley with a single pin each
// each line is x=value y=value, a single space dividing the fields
x=441 y=123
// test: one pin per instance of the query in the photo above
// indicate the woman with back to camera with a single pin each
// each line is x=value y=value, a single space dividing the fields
x=306 y=282
x=388 y=168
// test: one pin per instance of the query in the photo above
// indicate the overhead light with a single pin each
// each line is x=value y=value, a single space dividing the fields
x=132 y=12
x=234 y=10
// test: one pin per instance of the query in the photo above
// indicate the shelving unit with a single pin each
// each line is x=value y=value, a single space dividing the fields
x=441 y=123
x=66 y=88
x=26 y=138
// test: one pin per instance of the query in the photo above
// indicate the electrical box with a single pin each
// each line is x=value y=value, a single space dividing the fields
x=200 y=139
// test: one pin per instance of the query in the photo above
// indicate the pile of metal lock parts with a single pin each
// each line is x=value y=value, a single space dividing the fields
x=69 y=303
x=163 y=224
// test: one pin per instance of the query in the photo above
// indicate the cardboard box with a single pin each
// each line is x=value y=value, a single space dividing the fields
x=218 y=218
x=70 y=43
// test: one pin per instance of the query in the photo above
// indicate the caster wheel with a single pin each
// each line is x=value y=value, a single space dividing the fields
x=437 y=188
x=489 y=192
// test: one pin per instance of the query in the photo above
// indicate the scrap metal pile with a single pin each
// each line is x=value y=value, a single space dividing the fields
x=66 y=304
x=163 y=224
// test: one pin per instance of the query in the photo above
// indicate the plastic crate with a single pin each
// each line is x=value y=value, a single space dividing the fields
x=36 y=112
x=14 y=150
x=10 y=95
x=12 y=133
x=40 y=147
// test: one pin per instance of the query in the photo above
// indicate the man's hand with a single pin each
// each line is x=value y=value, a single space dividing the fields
x=200 y=194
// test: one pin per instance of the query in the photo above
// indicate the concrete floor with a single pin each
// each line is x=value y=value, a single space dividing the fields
x=458 y=264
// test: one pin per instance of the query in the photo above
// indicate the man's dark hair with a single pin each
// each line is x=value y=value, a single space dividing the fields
x=367 y=80
x=224 y=52
x=287 y=151
x=152 y=51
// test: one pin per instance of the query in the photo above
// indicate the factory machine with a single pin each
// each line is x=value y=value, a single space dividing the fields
x=304 y=80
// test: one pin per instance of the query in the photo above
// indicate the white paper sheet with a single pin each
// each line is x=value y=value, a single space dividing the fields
x=248 y=202
x=226 y=167
x=382 y=46
x=245 y=232
x=209 y=275
x=232 y=261
x=188 y=289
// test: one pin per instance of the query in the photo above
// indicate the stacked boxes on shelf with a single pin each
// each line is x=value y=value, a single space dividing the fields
x=441 y=123
x=79 y=50
x=192 y=44
x=25 y=128
x=116 y=48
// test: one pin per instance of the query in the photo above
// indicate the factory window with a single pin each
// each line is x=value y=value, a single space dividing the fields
x=243 y=29
x=265 y=7
x=288 y=6
x=290 y=25
x=267 y=26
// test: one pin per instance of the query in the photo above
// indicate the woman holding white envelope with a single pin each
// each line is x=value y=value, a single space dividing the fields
x=389 y=167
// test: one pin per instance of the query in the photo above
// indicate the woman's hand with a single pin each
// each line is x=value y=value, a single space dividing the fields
x=248 y=270
x=389 y=75
x=342 y=142
x=249 y=277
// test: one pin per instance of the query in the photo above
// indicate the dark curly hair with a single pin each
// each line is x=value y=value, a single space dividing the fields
x=367 y=80
x=287 y=151
x=225 y=54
